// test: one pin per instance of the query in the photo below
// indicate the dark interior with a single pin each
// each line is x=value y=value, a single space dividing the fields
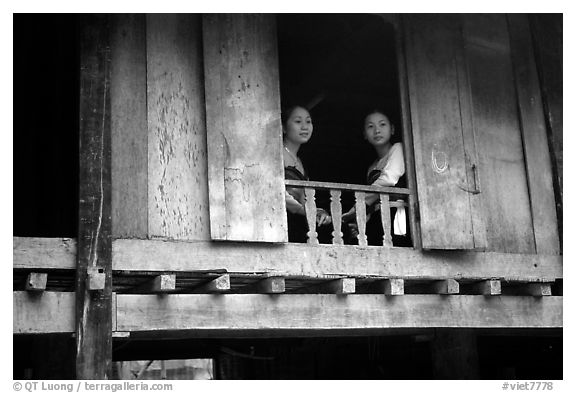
x=341 y=66
x=46 y=123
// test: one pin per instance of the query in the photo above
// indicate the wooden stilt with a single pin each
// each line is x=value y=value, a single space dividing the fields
x=94 y=258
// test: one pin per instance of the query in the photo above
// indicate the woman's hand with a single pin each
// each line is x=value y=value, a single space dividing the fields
x=322 y=217
x=349 y=216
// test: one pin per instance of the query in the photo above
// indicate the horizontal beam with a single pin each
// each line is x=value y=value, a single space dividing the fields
x=294 y=259
x=45 y=253
x=290 y=259
x=46 y=312
x=330 y=312
x=290 y=314
x=346 y=187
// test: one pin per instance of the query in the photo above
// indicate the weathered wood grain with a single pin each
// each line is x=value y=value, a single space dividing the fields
x=311 y=211
x=503 y=202
x=360 y=204
x=487 y=287
x=177 y=163
x=329 y=312
x=36 y=282
x=547 y=32
x=408 y=144
x=445 y=212
x=49 y=253
x=217 y=285
x=49 y=312
x=308 y=260
x=93 y=310
x=246 y=178
x=336 y=213
x=537 y=154
x=129 y=127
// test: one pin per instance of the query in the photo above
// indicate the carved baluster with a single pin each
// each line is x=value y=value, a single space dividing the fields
x=336 y=212
x=361 y=218
x=386 y=221
x=311 y=215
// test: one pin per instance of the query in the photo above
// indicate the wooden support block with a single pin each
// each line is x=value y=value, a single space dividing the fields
x=446 y=287
x=487 y=287
x=219 y=284
x=36 y=282
x=539 y=289
x=341 y=286
x=161 y=283
x=392 y=286
x=271 y=285
x=120 y=334
x=96 y=279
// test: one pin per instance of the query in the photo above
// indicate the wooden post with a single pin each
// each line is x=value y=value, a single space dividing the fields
x=94 y=308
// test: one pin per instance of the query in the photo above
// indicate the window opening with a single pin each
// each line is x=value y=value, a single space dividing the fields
x=340 y=67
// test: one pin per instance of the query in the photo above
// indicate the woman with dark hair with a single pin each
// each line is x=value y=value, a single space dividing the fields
x=297 y=129
x=387 y=171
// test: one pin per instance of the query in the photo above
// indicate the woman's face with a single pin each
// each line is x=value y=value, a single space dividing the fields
x=377 y=129
x=298 y=128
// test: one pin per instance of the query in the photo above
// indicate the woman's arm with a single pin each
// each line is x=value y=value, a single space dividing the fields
x=391 y=172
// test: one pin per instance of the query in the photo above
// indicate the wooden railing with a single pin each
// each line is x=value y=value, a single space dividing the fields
x=360 y=192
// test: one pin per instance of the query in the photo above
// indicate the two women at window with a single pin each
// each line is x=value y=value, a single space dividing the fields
x=388 y=170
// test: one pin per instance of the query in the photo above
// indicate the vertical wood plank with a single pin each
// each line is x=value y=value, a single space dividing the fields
x=246 y=178
x=129 y=128
x=336 y=213
x=94 y=310
x=408 y=144
x=445 y=211
x=311 y=215
x=548 y=46
x=386 y=220
x=361 y=218
x=536 y=149
x=177 y=168
x=503 y=202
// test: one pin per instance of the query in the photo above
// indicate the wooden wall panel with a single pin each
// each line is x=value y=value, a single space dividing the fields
x=536 y=149
x=500 y=169
x=244 y=131
x=129 y=127
x=177 y=168
x=445 y=213
x=548 y=45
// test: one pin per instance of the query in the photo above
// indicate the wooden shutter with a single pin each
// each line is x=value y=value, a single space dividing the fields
x=245 y=171
x=440 y=161
x=536 y=149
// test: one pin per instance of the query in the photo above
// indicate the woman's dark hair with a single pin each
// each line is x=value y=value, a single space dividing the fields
x=396 y=137
x=286 y=112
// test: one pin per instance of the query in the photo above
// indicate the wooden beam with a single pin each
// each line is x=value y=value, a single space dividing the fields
x=51 y=312
x=539 y=289
x=487 y=287
x=161 y=283
x=238 y=313
x=216 y=285
x=445 y=287
x=313 y=261
x=47 y=253
x=36 y=282
x=94 y=310
x=393 y=286
x=340 y=286
x=271 y=285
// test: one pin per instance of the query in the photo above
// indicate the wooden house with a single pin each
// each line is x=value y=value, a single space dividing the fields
x=181 y=222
